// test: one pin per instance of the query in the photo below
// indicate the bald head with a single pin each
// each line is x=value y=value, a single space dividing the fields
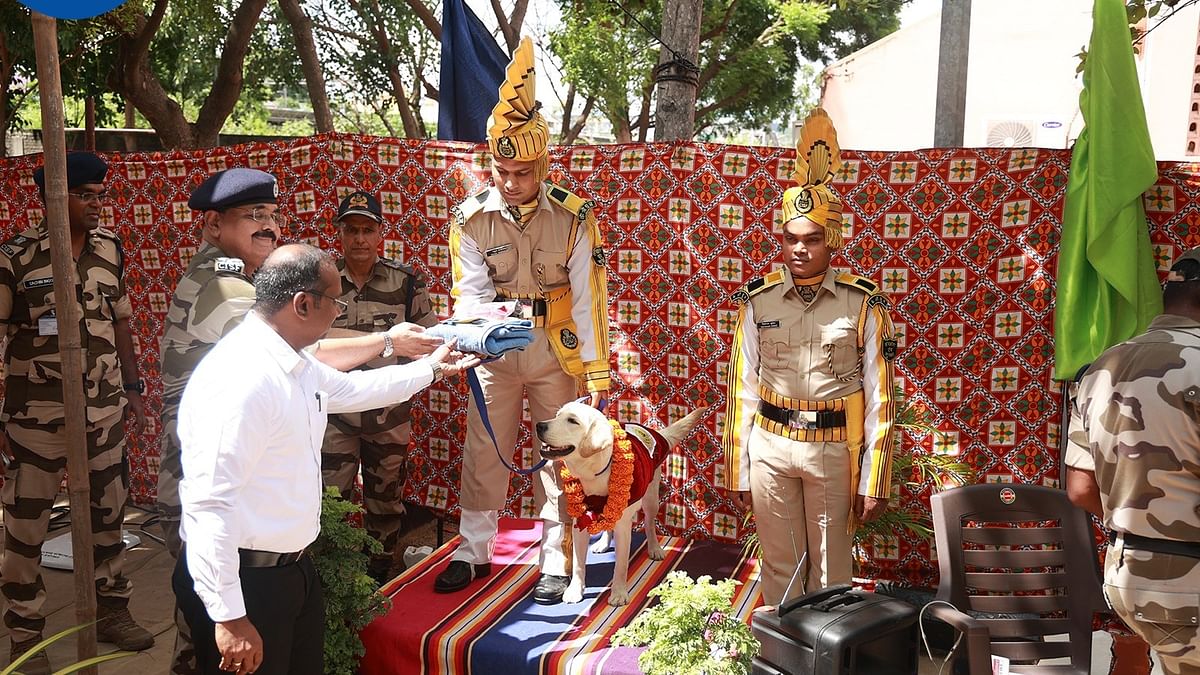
x=288 y=270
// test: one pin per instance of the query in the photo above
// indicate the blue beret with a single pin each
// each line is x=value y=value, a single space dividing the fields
x=362 y=204
x=234 y=187
x=82 y=168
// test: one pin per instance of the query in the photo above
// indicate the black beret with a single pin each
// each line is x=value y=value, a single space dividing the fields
x=82 y=168
x=234 y=187
x=361 y=204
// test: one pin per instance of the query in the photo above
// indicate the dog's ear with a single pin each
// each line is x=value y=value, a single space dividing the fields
x=597 y=437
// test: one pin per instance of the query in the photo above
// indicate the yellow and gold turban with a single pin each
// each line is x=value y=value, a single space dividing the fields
x=817 y=158
x=516 y=129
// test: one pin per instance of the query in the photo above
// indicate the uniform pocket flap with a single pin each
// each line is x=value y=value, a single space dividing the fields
x=1180 y=609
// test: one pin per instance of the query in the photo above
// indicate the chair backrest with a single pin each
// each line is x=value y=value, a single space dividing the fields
x=1040 y=578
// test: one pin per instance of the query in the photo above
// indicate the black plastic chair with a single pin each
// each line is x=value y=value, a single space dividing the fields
x=1018 y=583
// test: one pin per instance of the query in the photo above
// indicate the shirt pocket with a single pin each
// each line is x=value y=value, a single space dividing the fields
x=549 y=268
x=502 y=265
x=775 y=348
x=839 y=348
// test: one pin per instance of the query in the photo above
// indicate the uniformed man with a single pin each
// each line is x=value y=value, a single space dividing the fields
x=536 y=244
x=808 y=423
x=380 y=294
x=1140 y=407
x=34 y=419
x=240 y=225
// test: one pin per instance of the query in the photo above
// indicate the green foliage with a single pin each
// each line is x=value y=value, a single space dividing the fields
x=14 y=668
x=352 y=598
x=1138 y=11
x=691 y=631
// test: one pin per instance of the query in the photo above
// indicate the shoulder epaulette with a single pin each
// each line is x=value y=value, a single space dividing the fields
x=461 y=213
x=397 y=265
x=854 y=280
x=756 y=286
x=15 y=244
x=570 y=201
x=107 y=233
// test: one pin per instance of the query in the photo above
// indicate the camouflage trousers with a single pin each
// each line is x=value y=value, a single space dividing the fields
x=30 y=487
x=170 y=471
x=366 y=439
x=1158 y=596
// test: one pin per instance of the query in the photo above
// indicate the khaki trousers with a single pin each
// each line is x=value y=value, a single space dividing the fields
x=1158 y=596
x=801 y=497
x=485 y=480
x=30 y=487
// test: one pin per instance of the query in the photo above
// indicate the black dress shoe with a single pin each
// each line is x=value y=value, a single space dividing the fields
x=550 y=589
x=458 y=575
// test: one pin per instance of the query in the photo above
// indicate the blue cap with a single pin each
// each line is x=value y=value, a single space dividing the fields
x=361 y=204
x=234 y=187
x=82 y=168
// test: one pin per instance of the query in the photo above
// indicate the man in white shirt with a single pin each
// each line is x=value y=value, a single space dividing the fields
x=251 y=423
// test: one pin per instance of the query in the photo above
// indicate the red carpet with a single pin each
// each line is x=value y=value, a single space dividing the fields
x=493 y=626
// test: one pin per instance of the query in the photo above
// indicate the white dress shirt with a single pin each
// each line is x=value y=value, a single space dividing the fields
x=251 y=424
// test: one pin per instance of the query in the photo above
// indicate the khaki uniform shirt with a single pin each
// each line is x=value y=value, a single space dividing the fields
x=560 y=249
x=796 y=355
x=33 y=384
x=394 y=294
x=211 y=298
x=1140 y=405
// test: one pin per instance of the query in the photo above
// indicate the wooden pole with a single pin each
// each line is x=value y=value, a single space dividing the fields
x=66 y=302
x=950 y=114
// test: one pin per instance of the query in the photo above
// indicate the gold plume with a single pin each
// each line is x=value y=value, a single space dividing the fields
x=817 y=153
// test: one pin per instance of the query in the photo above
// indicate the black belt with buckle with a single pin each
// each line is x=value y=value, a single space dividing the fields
x=251 y=558
x=1190 y=549
x=526 y=308
x=803 y=419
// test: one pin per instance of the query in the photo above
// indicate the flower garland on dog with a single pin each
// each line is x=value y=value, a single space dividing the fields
x=620 y=482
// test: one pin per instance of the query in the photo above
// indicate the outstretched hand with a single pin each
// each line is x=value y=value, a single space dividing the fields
x=453 y=361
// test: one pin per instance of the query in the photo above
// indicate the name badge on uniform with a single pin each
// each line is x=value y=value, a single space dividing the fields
x=48 y=324
x=496 y=250
x=767 y=324
x=38 y=283
x=234 y=265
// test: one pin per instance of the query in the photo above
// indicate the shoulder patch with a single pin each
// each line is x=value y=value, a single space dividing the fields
x=855 y=280
x=229 y=265
x=756 y=286
x=463 y=212
x=878 y=300
x=395 y=264
x=570 y=201
x=106 y=233
x=15 y=244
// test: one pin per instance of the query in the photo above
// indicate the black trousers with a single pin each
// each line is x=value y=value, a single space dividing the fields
x=286 y=606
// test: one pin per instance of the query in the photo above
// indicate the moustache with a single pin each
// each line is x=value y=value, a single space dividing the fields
x=266 y=234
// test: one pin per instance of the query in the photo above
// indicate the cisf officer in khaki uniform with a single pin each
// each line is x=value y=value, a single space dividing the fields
x=380 y=295
x=1139 y=403
x=34 y=417
x=537 y=244
x=808 y=422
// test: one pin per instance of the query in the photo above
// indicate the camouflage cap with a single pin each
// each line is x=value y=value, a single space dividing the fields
x=359 y=204
x=1186 y=267
x=83 y=168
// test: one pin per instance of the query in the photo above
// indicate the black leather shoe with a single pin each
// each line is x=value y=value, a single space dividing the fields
x=458 y=574
x=550 y=589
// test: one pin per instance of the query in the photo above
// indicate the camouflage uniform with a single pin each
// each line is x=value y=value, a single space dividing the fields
x=376 y=438
x=211 y=298
x=1140 y=407
x=35 y=420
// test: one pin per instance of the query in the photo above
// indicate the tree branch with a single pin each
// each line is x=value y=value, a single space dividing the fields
x=575 y=130
x=735 y=97
x=227 y=81
x=426 y=16
x=412 y=129
x=722 y=26
x=302 y=31
x=518 y=18
x=511 y=37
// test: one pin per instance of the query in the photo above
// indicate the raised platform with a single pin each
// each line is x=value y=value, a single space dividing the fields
x=493 y=626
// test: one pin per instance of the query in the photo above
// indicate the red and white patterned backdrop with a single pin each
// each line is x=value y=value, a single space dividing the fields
x=963 y=241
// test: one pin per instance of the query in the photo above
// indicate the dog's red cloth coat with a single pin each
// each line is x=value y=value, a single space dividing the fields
x=650 y=449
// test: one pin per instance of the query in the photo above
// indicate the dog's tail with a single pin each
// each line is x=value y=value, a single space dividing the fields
x=679 y=430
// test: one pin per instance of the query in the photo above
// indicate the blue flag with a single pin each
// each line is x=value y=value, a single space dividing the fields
x=472 y=70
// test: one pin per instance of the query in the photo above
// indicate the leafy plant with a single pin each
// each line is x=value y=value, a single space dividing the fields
x=352 y=598
x=692 y=630
x=14 y=667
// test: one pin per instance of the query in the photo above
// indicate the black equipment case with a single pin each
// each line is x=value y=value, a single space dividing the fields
x=837 y=631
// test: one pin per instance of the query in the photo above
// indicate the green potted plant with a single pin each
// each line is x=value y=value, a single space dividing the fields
x=352 y=598
x=14 y=668
x=692 y=630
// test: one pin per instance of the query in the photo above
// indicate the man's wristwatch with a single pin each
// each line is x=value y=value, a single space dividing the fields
x=388 y=347
x=139 y=387
x=439 y=371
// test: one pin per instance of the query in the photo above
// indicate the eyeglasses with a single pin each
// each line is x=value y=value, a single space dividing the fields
x=262 y=216
x=341 y=305
x=86 y=197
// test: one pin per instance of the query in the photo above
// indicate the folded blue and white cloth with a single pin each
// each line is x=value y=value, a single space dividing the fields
x=489 y=338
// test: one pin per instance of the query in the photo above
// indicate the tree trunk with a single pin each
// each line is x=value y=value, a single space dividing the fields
x=621 y=131
x=130 y=139
x=302 y=31
x=573 y=133
x=412 y=128
x=424 y=14
x=675 y=112
x=568 y=108
x=227 y=82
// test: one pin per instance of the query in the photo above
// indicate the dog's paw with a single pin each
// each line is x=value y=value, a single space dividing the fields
x=618 y=597
x=603 y=542
x=573 y=594
x=655 y=551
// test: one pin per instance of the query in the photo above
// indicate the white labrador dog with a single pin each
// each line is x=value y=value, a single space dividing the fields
x=581 y=437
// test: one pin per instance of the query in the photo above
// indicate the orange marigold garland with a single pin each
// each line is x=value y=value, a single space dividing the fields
x=620 y=483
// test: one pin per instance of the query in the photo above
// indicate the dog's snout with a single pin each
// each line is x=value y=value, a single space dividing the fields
x=541 y=427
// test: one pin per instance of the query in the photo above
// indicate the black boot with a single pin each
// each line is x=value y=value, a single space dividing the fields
x=550 y=589
x=459 y=574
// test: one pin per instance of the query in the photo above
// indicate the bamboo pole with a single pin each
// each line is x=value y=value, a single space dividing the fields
x=69 y=311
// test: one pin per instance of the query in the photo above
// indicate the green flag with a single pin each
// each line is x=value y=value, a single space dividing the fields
x=1108 y=290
